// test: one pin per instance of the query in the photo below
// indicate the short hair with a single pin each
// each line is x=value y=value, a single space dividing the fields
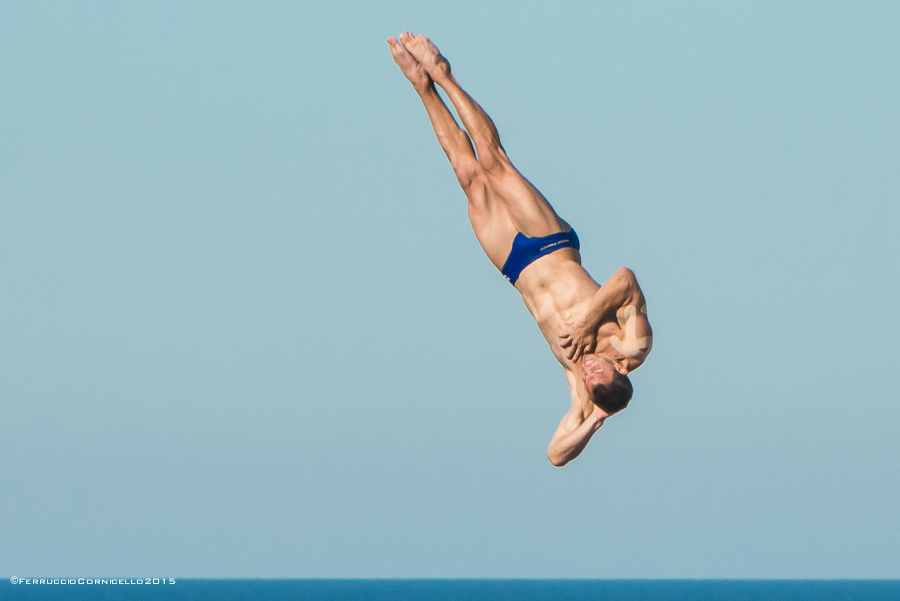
x=613 y=397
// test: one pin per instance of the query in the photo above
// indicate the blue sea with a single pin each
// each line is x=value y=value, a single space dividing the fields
x=469 y=590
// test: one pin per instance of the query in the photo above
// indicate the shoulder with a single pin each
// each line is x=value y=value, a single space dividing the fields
x=635 y=338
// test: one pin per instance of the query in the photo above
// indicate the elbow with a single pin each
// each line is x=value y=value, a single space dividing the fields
x=557 y=459
x=626 y=280
x=626 y=274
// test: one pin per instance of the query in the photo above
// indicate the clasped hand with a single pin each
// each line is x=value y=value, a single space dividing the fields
x=579 y=340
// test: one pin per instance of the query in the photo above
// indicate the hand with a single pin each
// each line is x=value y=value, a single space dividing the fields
x=580 y=340
x=599 y=414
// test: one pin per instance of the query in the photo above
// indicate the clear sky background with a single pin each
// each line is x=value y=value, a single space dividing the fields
x=246 y=331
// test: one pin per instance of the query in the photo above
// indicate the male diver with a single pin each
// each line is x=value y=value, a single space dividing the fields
x=598 y=333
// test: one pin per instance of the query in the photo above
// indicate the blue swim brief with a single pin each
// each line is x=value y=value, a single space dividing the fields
x=526 y=251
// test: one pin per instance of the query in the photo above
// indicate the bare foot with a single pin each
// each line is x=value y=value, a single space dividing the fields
x=427 y=54
x=411 y=68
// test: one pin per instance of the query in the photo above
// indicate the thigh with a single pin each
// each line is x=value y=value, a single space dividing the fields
x=490 y=221
x=529 y=211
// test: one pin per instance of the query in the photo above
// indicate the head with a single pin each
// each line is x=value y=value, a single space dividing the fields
x=607 y=383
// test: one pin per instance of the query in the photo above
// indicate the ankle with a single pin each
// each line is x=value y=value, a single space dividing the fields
x=441 y=74
x=425 y=89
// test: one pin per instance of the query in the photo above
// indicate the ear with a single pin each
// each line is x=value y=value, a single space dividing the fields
x=621 y=368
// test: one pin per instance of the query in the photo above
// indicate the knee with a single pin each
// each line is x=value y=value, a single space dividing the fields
x=477 y=196
x=467 y=173
x=492 y=158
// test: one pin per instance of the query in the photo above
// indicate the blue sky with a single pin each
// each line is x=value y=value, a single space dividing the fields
x=247 y=331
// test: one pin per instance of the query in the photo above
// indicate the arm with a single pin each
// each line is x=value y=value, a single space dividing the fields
x=568 y=441
x=619 y=290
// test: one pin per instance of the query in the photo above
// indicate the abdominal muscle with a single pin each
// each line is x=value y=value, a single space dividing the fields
x=557 y=291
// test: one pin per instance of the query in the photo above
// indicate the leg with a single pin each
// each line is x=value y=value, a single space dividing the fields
x=528 y=209
x=487 y=214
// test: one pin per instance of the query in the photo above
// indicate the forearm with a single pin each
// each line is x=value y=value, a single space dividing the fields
x=564 y=449
x=614 y=293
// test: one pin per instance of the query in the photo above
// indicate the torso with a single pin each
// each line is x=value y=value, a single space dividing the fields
x=558 y=291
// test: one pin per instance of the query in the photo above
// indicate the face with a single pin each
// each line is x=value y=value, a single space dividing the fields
x=596 y=370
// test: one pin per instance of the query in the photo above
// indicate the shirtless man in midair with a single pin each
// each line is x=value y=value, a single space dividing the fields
x=598 y=333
